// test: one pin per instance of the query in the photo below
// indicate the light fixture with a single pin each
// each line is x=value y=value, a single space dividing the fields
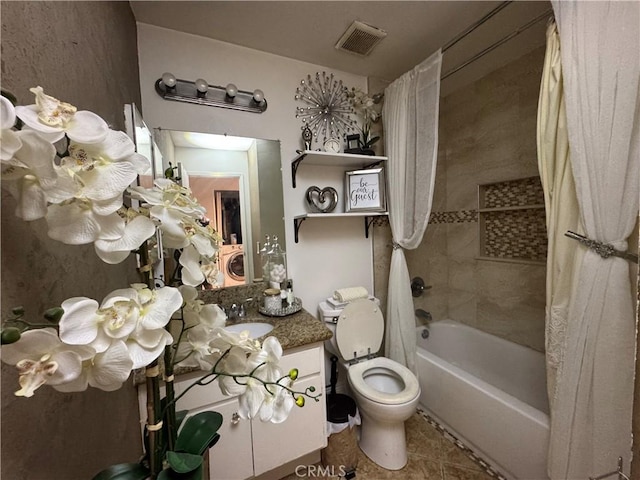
x=200 y=92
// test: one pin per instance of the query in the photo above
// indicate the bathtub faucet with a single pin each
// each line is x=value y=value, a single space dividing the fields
x=424 y=315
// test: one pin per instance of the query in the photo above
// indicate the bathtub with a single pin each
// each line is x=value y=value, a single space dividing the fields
x=488 y=392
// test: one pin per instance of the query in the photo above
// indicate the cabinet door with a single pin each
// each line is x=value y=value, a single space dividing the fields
x=231 y=458
x=275 y=444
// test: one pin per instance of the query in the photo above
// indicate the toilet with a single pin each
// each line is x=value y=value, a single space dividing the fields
x=386 y=392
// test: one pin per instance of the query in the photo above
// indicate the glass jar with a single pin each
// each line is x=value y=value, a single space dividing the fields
x=265 y=251
x=277 y=265
x=272 y=302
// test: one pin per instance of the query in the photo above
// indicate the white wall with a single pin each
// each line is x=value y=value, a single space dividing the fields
x=332 y=253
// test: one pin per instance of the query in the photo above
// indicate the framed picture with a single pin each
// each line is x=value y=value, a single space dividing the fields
x=365 y=191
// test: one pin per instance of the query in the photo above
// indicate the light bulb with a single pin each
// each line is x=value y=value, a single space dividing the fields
x=232 y=90
x=201 y=85
x=258 y=95
x=169 y=79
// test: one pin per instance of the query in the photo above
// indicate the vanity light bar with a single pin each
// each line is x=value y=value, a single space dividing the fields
x=201 y=93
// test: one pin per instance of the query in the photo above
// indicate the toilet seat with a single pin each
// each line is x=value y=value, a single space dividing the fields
x=359 y=330
x=357 y=375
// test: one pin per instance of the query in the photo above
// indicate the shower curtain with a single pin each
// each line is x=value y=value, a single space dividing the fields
x=561 y=206
x=592 y=411
x=410 y=119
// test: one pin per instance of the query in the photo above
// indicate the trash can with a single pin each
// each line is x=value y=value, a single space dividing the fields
x=340 y=457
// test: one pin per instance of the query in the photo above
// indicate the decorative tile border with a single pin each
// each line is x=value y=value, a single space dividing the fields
x=460 y=216
x=486 y=467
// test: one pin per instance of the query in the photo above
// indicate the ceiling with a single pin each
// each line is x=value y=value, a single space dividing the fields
x=309 y=30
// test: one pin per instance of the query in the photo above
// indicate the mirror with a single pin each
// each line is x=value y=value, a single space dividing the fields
x=239 y=181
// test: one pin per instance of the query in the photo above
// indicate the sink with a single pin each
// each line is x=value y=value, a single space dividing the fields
x=256 y=329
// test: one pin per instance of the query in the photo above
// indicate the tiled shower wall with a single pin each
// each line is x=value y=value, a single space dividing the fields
x=487 y=134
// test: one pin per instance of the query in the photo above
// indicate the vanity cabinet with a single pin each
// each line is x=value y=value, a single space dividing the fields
x=349 y=162
x=249 y=448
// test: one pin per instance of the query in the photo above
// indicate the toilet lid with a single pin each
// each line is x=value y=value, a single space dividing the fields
x=360 y=329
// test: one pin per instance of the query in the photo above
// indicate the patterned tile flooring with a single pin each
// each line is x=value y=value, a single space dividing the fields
x=432 y=456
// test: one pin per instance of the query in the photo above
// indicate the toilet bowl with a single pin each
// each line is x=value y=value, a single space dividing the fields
x=386 y=392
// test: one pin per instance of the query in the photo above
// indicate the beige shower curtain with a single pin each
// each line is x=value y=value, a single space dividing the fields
x=410 y=120
x=561 y=206
x=591 y=413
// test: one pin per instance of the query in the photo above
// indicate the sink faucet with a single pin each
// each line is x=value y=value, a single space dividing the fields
x=238 y=311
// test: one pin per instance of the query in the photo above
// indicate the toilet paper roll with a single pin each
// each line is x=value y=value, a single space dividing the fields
x=350 y=294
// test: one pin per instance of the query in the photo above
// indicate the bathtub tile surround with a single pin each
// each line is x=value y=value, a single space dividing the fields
x=433 y=455
x=487 y=135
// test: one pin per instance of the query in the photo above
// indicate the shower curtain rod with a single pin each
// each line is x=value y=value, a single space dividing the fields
x=472 y=27
x=377 y=98
x=495 y=45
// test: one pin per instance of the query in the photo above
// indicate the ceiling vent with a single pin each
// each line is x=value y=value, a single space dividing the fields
x=360 y=38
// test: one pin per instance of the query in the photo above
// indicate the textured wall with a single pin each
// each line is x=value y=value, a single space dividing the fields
x=84 y=53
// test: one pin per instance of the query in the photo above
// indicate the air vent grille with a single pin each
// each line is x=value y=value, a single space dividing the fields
x=360 y=38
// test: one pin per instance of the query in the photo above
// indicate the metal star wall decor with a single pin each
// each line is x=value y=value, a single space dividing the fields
x=327 y=107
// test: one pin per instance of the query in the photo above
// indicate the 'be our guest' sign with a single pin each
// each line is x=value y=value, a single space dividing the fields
x=365 y=190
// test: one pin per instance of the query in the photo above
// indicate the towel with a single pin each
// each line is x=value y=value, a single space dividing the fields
x=350 y=294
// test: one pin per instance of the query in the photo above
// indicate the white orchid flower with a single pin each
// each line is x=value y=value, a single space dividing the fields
x=196 y=312
x=11 y=142
x=190 y=260
x=252 y=398
x=91 y=181
x=84 y=323
x=223 y=340
x=276 y=407
x=194 y=350
x=150 y=337
x=29 y=173
x=212 y=273
x=42 y=358
x=107 y=370
x=137 y=229
x=55 y=118
x=234 y=362
x=104 y=170
x=266 y=361
x=79 y=222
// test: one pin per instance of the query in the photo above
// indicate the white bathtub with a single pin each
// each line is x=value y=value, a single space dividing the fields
x=490 y=393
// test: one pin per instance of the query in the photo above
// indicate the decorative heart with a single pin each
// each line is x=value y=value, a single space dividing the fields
x=322 y=201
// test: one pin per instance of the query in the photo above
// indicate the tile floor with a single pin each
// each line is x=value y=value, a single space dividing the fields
x=431 y=457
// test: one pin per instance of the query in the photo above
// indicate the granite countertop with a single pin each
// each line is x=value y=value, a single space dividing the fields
x=292 y=331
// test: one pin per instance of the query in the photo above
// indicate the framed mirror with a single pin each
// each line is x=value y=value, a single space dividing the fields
x=239 y=182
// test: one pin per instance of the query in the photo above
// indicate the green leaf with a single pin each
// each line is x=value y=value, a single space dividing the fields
x=180 y=416
x=168 y=474
x=372 y=141
x=123 y=471
x=183 y=462
x=199 y=433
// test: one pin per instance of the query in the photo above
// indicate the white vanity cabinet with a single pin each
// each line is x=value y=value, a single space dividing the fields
x=249 y=448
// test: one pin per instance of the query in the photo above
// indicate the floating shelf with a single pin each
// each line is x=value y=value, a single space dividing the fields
x=328 y=159
x=368 y=219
